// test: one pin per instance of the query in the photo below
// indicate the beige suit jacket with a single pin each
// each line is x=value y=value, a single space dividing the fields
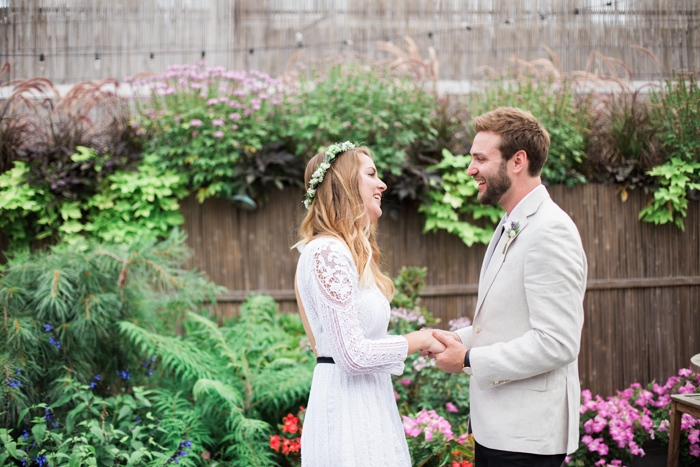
x=526 y=333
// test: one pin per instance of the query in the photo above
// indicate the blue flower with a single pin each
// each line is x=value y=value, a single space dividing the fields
x=55 y=343
x=124 y=374
x=94 y=383
x=41 y=460
x=25 y=434
x=138 y=419
x=19 y=370
x=47 y=327
x=13 y=383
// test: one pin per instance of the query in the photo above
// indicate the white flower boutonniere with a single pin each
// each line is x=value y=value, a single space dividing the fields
x=512 y=229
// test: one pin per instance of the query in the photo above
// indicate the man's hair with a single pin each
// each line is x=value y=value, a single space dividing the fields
x=518 y=130
x=339 y=211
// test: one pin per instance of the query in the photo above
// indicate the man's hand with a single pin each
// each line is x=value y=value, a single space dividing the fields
x=452 y=359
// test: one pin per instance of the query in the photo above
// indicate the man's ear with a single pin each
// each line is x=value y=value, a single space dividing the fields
x=520 y=161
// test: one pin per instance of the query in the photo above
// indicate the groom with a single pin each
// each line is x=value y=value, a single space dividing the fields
x=523 y=345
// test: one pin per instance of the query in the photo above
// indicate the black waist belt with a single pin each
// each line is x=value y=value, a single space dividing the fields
x=324 y=360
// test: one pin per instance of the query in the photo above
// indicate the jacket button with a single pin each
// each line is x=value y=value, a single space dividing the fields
x=477 y=329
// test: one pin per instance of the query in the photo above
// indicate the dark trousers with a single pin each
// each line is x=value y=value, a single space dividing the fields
x=486 y=457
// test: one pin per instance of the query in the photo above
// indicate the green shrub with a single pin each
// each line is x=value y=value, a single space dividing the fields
x=215 y=126
x=676 y=121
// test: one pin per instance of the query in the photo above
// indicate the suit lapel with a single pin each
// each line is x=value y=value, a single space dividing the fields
x=498 y=248
x=491 y=248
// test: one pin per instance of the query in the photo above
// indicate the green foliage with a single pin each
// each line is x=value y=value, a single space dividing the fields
x=676 y=118
x=242 y=375
x=135 y=204
x=20 y=204
x=125 y=206
x=216 y=127
x=676 y=178
x=84 y=428
x=553 y=103
x=368 y=104
x=354 y=101
x=454 y=204
x=62 y=311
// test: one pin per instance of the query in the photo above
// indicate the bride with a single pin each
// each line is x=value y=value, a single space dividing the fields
x=351 y=418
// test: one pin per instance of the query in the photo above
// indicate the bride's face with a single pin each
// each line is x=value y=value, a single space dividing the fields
x=371 y=188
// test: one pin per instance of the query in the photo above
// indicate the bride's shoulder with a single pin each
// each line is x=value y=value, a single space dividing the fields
x=325 y=244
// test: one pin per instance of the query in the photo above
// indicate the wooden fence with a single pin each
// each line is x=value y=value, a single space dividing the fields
x=81 y=40
x=642 y=317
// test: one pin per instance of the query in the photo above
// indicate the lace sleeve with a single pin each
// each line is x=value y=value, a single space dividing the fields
x=336 y=281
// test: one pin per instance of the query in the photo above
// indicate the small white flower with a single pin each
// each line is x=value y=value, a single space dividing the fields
x=320 y=172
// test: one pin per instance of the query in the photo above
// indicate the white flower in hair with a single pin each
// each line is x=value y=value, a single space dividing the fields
x=317 y=177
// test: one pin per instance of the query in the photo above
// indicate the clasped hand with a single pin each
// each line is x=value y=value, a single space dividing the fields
x=446 y=347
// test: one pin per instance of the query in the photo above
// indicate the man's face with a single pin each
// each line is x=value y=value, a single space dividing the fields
x=488 y=168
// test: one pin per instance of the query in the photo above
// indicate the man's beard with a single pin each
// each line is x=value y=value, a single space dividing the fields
x=496 y=187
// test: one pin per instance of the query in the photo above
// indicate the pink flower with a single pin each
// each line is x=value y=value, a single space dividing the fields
x=234 y=127
x=694 y=436
x=195 y=123
x=405 y=381
x=451 y=407
x=218 y=134
x=695 y=450
x=217 y=122
x=235 y=116
x=213 y=101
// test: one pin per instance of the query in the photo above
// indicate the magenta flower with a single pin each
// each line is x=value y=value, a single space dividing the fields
x=451 y=407
x=695 y=450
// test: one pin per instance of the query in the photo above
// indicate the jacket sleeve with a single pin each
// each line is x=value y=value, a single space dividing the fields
x=335 y=279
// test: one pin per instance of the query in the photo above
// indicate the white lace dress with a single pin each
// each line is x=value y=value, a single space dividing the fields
x=351 y=419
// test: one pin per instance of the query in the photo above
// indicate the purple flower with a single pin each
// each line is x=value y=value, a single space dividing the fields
x=235 y=116
x=195 y=123
x=218 y=134
x=234 y=127
x=213 y=101
x=217 y=122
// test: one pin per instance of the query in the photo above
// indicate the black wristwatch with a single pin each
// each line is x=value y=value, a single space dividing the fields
x=467 y=366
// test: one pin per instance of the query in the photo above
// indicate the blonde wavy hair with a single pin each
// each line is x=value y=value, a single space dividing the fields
x=339 y=211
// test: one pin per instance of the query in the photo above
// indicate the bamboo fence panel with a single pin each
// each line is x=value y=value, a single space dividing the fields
x=641 y=308
x=81 y=40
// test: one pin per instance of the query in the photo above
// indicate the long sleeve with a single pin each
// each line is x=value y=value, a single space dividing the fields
x=335 y=286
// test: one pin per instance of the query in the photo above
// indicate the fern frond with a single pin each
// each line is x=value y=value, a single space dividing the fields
x=184 y=359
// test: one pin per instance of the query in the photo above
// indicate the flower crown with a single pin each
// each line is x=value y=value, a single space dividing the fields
x=317 y=177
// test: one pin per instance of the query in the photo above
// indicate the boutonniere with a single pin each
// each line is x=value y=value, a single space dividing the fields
x=512 y=229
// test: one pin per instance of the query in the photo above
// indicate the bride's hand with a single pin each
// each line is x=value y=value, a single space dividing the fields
x=434 y=347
